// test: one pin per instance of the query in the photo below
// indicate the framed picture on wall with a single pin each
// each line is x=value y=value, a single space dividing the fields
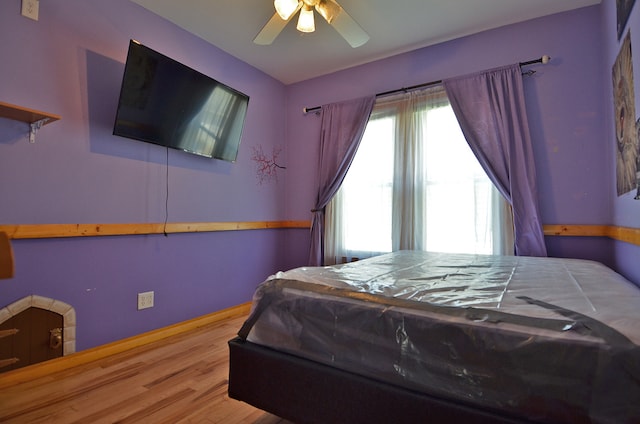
x=625 y=119
x=623 y=10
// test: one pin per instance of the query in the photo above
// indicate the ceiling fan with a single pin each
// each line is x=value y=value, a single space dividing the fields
x=330 y=10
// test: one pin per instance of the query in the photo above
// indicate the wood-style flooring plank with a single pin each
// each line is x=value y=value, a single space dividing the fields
x=178 y=380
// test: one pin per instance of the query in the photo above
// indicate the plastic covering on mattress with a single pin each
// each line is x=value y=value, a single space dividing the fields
x=553 y=340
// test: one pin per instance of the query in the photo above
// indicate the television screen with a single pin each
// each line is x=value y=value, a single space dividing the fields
x=165 y=102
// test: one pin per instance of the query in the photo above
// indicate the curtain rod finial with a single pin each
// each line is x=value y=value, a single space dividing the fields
x=306 y=110
x=545 y=59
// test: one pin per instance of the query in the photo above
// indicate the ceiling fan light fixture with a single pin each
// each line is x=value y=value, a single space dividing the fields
x=305 y=20
x=330 y=10
x=286 y=8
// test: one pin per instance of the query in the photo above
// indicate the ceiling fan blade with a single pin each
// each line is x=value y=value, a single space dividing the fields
x=273 y=28
x=328 y=9
x=335 y=15
x=270 y=30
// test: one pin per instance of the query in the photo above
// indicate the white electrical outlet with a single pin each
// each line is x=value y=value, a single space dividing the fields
x=145 y=300
x=30 y=9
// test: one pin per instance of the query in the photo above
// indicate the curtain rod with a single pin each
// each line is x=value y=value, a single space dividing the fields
x=544 y=60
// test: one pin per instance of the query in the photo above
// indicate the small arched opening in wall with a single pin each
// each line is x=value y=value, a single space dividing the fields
x=67 y=312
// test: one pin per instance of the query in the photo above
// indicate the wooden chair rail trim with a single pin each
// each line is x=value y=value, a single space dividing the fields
x=626 y=234
x=629 y=235
x=576 y=230
x=41 y=369
x=35 y=231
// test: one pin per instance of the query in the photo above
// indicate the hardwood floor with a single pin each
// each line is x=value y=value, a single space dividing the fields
x=179 y=380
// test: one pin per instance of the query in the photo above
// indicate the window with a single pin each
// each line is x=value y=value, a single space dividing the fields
x=365 y=197
x=415 y=184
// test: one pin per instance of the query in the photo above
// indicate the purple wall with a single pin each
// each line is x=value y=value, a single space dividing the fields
x=191 y=274
x=70 y=63
x=569 y=116
x=625 y=210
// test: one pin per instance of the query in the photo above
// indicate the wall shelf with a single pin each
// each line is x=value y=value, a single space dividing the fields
x=35 y=118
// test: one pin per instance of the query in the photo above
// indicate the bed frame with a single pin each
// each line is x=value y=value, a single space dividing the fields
x=307 y=392
x=317 y=350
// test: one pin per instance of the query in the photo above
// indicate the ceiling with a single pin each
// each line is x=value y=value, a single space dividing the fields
x=394 y=26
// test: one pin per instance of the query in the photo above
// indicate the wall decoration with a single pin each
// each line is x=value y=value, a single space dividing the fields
x=625 y=119
x=638 y=162
x=623 y=10
x=266 y=166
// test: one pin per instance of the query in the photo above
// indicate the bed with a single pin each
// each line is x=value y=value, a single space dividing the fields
x=432 y=337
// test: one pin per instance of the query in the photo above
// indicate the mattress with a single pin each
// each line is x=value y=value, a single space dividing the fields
x=552 y=340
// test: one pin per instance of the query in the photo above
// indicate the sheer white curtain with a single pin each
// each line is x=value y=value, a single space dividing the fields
x=415 y=184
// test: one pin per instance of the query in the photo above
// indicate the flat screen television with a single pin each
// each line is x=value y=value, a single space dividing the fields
x=167 y=103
